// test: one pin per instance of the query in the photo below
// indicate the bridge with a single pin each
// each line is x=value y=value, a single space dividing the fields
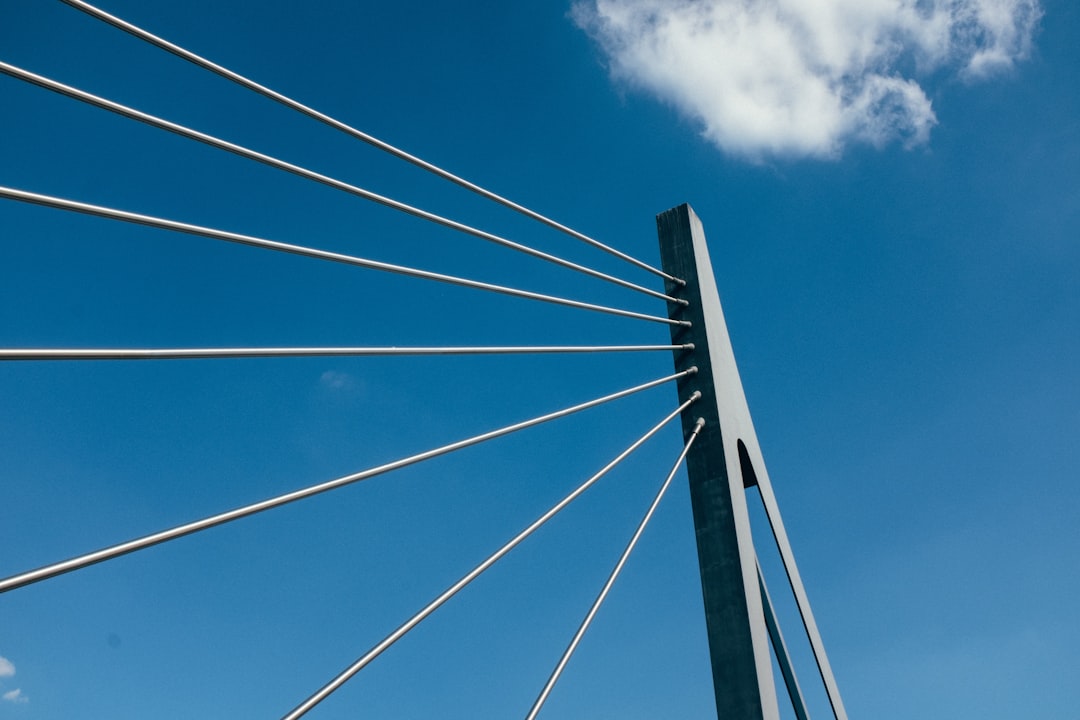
x=431 y=509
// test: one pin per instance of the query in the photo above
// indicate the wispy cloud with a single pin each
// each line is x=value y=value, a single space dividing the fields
x=806 y=77
x=15 y=696
x=7 y=668
x=336 y=380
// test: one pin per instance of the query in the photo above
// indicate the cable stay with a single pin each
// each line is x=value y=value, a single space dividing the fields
x=435 y=604
x=561 y=665
x=263 y=352
x=162 y=223
x=358 y=134
x=81 y=561
x=297 y=170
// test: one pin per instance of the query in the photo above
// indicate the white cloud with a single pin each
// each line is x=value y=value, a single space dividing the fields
x=335 y=380
x=7 y=669
x=806 y=77
x=15 y=696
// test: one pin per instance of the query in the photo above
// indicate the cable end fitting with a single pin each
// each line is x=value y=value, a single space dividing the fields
x=686 y=323
x=696 y=396
x=689 y=347
x=683 y=302
x=698 y=425
x=692 y=370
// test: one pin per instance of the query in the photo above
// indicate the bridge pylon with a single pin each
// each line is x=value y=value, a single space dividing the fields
x=722 y=465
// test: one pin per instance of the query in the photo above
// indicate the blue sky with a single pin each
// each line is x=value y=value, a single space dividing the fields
x=892 y=200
